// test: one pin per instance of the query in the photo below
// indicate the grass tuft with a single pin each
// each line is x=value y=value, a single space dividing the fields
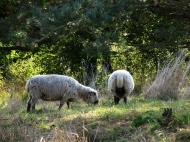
x=171 y=81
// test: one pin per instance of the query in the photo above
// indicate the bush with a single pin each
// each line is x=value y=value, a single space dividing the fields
x=3 y=94
x=17 y=73
x=3 y=98
x=21 y=70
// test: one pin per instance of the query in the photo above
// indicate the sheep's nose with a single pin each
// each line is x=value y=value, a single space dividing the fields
x=96 y=102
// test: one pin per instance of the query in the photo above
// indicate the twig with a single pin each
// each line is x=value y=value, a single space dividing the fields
x=95 y=134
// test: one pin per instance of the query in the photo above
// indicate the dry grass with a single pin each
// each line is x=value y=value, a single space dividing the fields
x=13 y=127
x=16 y=129
x=134 y=122
x=171 y=81
x=60 y=135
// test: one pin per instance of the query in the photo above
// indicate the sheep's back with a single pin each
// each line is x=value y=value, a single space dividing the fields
x=51 y=84
x=120 y=79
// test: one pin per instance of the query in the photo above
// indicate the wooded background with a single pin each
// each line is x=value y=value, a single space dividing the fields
x=88 y=39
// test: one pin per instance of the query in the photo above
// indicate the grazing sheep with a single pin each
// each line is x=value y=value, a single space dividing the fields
x=120 y=85
x=58 y=88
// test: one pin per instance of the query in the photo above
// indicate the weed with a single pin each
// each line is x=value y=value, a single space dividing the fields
x=147 y=117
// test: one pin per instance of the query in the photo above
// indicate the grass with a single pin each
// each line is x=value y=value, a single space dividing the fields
x=171 y=82
x=139 y=120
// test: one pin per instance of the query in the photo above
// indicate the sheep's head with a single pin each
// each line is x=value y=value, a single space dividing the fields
x=92 y=97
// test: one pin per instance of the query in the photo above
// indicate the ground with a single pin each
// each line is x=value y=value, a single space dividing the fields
x=139 y=120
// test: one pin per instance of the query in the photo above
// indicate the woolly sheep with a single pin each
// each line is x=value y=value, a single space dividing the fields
x=58 y=88
x=120 y=85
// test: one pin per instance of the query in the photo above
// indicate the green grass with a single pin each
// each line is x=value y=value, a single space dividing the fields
x=139 y=120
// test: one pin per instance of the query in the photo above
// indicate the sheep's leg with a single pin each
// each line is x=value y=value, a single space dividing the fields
x=68 y=104
x=34 y=100
x=116 y=100
x=33 y=106
x=125 y=100
x=29 y=104
x=61 y=104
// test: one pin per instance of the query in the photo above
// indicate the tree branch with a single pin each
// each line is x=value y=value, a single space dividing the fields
x=20 y=48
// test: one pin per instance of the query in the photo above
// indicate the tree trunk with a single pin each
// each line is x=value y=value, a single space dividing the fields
x=106 y=63
x=90 y=72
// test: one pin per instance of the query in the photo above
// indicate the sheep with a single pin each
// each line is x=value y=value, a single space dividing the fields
x=58 y=88
x=120 y=85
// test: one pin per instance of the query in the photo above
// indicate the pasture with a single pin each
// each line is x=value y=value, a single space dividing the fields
x=139 y=120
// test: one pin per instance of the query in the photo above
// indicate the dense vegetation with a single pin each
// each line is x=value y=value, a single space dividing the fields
x=88 y=39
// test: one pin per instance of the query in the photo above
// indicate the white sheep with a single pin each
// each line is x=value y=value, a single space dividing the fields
x=58 y=88
x=120 y=85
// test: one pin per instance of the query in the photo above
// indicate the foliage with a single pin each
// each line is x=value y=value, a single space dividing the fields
x=77 y=37
x=3 y=94
x=4 y=97
x=147 y=117
x=21 y=70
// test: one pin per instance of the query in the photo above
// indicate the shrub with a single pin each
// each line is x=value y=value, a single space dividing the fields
x=21 y=70
x=3 y=98
x=3 y=93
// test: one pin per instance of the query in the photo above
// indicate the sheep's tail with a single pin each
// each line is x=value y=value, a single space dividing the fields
x=119 y=81
x=27 y=86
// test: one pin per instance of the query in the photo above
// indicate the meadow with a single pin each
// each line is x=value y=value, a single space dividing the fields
x=139 y=120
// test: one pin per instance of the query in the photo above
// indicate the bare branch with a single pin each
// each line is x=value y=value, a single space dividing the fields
x=20 y=48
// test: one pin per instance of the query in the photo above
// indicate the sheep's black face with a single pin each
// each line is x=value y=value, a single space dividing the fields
x=120 y=92
x=93 y=98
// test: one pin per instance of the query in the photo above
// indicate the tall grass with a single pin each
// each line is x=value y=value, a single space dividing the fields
x=171 y=80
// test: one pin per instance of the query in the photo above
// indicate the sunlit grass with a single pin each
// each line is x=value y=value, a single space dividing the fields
x=106 y=120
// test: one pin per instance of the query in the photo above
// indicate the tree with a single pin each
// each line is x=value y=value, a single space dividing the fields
x=75 y=35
